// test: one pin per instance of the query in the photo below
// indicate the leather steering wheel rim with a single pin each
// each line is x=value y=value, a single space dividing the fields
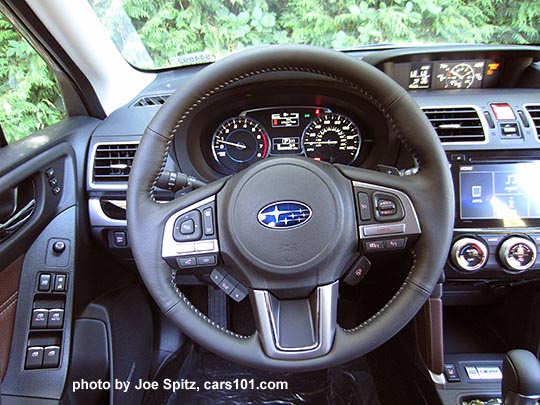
x=430 y=190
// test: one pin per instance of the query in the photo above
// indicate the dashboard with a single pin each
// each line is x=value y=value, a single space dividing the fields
x=483 y=102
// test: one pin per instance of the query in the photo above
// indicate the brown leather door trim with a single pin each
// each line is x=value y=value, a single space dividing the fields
x=9 y=291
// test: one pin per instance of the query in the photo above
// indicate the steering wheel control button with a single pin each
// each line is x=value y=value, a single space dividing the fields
x=365 y=206
x=51 y=356
x=206 y=260
x=205 y=246
x=187 y=227
x=469 y=254
x=39 y=318
x=208 y=221
x=358 y=271
x=34 y=357
x=239 y=293
x=387 y=207
x=217 y=276
x=380 y=230
x=228 y=284
x=60 y=283
x=186 y=262
x=44 y=282
x=395 y=243
x=517 y=254
x=55 y=319
x=374 y=245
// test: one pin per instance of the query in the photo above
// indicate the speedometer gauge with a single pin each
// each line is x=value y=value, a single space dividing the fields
x=239 y=142
x=333 y=138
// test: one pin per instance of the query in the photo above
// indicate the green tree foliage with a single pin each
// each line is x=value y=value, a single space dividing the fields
x=169 y=28
x=29 y=99
x=29 y=96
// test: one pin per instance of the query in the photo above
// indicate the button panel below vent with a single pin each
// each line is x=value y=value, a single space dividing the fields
x=456 y=124
x=112 y=162
x=534 y=112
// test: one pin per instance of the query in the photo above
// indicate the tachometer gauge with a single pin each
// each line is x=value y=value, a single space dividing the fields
x=333 y=138
x=239 y=142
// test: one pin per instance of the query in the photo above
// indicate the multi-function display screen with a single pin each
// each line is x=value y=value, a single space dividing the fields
x=504 y=191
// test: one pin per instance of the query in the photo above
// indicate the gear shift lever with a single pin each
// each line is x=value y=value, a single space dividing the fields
x=521 y=378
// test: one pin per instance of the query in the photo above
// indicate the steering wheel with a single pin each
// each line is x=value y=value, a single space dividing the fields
x=287 y=230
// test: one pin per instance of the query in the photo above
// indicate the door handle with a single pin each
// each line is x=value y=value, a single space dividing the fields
x=17 y=220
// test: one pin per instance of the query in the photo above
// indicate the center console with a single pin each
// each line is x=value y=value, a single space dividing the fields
x=497 y=228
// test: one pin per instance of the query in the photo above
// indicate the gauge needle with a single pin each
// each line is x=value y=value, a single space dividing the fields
x=321 y=143
x=238 y=145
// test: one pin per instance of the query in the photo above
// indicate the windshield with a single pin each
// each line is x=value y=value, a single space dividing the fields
x=163 y=33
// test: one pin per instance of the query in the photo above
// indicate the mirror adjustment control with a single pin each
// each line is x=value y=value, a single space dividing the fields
x=469 y=254
x=517 y=254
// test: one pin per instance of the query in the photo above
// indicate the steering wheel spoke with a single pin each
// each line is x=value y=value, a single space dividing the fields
x=300 y=328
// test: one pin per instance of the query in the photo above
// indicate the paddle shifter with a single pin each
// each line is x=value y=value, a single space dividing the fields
x=521 y=378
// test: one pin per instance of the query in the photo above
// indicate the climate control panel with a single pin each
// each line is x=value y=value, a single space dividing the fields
x=488 y=255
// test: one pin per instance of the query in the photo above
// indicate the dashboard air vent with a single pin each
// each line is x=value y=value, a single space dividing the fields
x=534 y=112
x=112 y=162
x=456 y=124
x=150 y=101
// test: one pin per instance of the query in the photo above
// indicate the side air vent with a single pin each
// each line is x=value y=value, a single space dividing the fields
x=150 y=101
x=112 y=163
x=456 y=124
x=534 y=112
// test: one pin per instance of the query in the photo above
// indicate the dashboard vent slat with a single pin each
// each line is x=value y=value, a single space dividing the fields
x=151 y=101
x=112 y=163
x=456 y=124
x=534 y=112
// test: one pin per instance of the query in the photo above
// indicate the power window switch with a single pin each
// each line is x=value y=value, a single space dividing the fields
x=44 y=283
x=451 y=373
x=34 y=357
x=60 y=283
x=56 y=319
x=39 y=318
x=51 y=356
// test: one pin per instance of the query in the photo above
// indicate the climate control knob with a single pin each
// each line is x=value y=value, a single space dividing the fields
x=469 y=254
x=517 y=253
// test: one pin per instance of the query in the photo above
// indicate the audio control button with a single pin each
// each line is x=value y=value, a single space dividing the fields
x=469 y=254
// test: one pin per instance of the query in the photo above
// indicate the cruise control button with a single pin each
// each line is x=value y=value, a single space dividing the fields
x=51 y=356
x=56 y=319
x=383 y=229
x=374 y=245
x=365 y=208
x=34 y=357
x=395 y=243
x=39 y=318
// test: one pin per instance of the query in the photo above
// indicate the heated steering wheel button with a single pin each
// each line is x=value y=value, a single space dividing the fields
x=228 y=284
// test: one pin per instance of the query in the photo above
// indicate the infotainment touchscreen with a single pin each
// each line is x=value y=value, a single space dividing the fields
x=504 y=191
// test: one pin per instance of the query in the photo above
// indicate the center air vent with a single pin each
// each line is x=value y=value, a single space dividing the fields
x=150 y=101
x=534 y=112
x=112 y=162
x=456 y=124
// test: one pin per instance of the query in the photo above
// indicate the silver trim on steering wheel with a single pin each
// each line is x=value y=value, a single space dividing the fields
x=324 y=315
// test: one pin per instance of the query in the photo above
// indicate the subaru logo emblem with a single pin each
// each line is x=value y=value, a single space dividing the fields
x=284 y=215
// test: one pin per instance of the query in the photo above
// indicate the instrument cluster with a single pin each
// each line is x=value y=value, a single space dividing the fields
x=312 y=131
